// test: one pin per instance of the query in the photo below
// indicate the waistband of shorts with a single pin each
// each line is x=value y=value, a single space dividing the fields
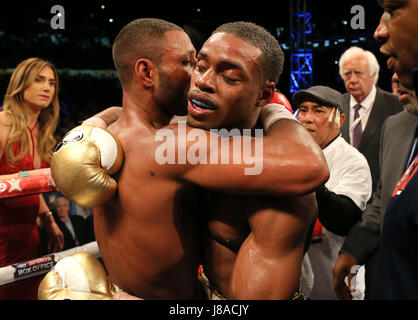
x=298 y=295
x=205 y=281
x=198 y=295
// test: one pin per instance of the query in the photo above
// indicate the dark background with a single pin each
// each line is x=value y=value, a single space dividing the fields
x=85 y=44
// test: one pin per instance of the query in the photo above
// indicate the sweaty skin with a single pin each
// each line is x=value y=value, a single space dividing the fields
x=148 y=234
x=255 y=245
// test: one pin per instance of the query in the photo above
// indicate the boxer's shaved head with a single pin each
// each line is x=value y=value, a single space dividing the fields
x=141 y=38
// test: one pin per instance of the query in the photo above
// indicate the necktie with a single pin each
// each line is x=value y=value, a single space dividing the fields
x=357 y=129
x=414 y=152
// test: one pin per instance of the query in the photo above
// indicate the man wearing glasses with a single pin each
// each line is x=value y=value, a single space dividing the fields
x=365 y=105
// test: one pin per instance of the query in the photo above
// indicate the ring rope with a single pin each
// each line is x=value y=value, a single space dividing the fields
x=10 y=188
x=31 y=268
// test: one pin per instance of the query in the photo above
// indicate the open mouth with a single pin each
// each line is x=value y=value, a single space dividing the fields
x=201 y=105
x=199 y=109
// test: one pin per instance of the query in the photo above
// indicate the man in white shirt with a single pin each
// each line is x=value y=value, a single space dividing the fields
x=365 y=105
x=345 y=194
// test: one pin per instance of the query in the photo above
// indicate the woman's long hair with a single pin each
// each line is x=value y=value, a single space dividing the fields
x=21 y=79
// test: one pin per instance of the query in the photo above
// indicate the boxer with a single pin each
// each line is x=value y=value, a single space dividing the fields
x=253 y=245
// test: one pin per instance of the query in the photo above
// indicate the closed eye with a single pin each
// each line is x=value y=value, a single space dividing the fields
x=230 y=80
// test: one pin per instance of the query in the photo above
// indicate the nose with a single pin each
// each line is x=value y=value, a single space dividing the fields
x=305 y=117
x=205 y=81
x=351 y=77
x=352 y=80
x=46 y=86
x=381 y=33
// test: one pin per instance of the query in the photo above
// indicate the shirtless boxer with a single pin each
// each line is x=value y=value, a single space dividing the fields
x=147 y=233
x=254 y=245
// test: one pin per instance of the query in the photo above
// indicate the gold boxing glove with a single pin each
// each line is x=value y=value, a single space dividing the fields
x=83 y=162
x=77 y=277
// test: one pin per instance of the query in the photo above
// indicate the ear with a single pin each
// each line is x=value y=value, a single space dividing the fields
x=144 y=71
x=342 y=119
x=266 y=94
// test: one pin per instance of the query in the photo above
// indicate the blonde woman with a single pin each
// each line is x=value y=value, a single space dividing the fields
x=27 y=124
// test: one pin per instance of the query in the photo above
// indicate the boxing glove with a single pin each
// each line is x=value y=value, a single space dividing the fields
x=280 y=98
x=77 y=277
x=82 y=165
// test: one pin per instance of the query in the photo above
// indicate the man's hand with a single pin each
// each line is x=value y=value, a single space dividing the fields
x=342 y=268
x=105 y=118
x=56 y=238
x=95 y=122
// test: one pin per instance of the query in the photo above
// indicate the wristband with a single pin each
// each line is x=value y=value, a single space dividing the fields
x=273 y=112
x=23 y=174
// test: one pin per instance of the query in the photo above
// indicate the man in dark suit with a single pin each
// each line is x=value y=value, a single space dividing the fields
x=363 y=240
x=74 y=227
x=365 y=105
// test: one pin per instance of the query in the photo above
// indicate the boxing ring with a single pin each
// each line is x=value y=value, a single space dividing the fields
x=42 y=265
x=29 y=185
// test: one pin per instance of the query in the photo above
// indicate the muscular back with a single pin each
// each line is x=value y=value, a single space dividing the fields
x=147 y=234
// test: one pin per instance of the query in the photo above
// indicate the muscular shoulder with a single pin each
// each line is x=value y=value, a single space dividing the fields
x=140 y=149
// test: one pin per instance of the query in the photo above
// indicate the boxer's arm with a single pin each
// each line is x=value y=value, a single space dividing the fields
x=105 y=118
x=285 y=162
x=268 y=265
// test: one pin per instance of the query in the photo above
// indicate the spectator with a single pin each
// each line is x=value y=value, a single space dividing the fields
x=73 y=227
x=364 y=101
x=398 y=278
x=27 y=123
x=345 y=194
x=392 y=215
x=362 y=242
